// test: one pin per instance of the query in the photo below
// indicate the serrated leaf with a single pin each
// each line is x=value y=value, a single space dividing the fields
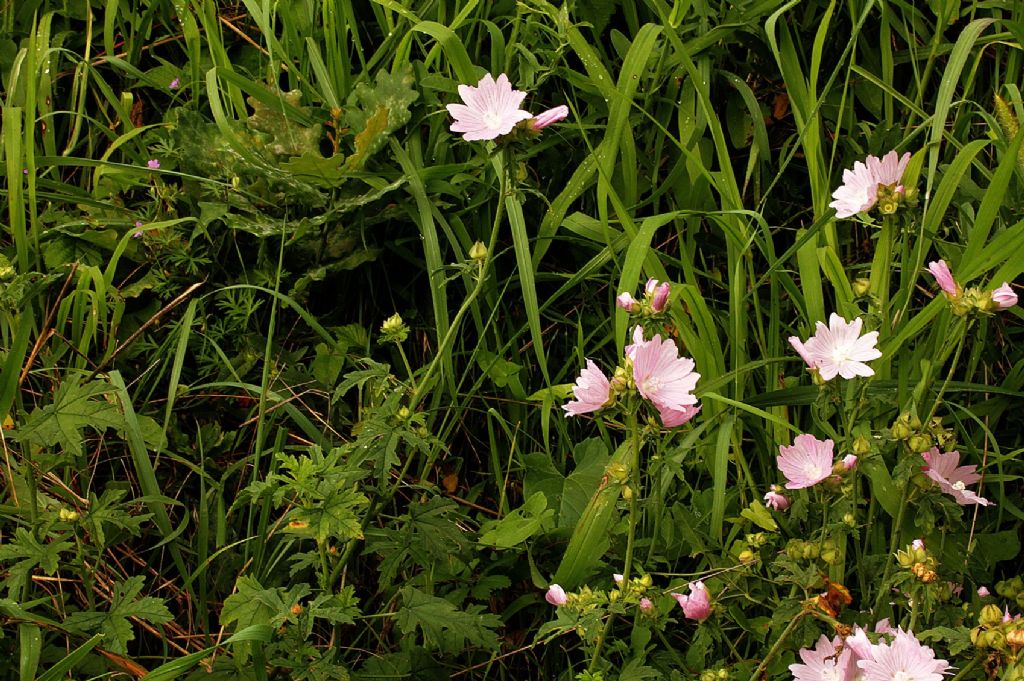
x=758 y=514
x=286 y=137
x=30 y=553
x=519 y=525
x=114 y=624
x=444 y=626
x=75 y=407
x=252 y=604
x=332 y=516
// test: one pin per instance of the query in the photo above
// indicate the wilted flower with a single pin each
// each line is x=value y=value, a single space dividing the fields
x=829 y=660
x=945 y=469
x=697 y=604
x=775 y=499
x=859 y=191
x=546 y=118
x=839 y=349
x=662 y=376
x=153 y=164
x=555 y=595
x=1004 y=296
x=905 y=659
x=807 y=462
x=491 y=109
x=592 y=391
x=944 y=278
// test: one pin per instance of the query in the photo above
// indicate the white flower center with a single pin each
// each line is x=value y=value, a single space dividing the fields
x=652 y=384
x=492 y=119
x=959 y=486
x=813 y=471
x=902 y=676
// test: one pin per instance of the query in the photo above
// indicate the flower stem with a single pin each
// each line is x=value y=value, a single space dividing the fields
x=777 y=646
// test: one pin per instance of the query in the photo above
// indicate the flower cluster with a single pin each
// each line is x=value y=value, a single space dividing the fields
x=838 y=349
x=897 y=656
x=655 y=299
x=654 y=369
x=491 y=109
x=972 y=299
x=875 y=181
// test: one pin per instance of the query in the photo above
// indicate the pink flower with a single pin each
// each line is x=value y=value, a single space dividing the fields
x=626 y=301
x=859 y=191
x=917 y=544
x=849 y=462
x=617 y=578
x=807 y=462
x=658 y=294
x=646 y=605
x=592 y=391
x=662 y=376
x=776 y=500
x=697 y=604
x=829 y=660
x=1007 y=617
x=672 y=418
x=983 y=591
x=638 y=340
x=1004 y=296
x=905 y=659
x=153 y=164
x=839 y=349
x=175 y=84
x=546 y=118
x=943 y=277
x=945 y=469
x=556 y=595
x=491 y=109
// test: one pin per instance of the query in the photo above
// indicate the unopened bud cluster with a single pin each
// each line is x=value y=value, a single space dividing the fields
x=920 y=437
x=654 y=302
x=919 y=562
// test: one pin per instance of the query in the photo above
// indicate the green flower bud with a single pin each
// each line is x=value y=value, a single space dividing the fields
x=394 y=330
x=920 y=442
x=478 y=251
x=861 y=286
x=991 y=616
x=861 y=446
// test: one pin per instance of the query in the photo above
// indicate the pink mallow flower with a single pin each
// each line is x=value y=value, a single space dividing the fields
x=646 y=606
x=662 y=376
x=905 y=659
x=546 y=118
x=983 y=591
x=491 y=109
x=697 y=604
x=555 y=595
x=807 y=462
x=658 y=294
x=627 y=302
x=774 y=499
x=945 y=470
x=944 y=278
x=829 y=660
x=673 y=418
x=849 y=462
x=153 y=164
x=1004 y=296
x=838 y=349
x=592 y=391
x=859 y=191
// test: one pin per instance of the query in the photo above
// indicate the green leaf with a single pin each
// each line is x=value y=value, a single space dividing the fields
x=377 y=111
x=760 y=516
x=251 y=604
x=444 y=626
x=125 y=603
x=75 y=407
x=519 y=525
x=30 y=554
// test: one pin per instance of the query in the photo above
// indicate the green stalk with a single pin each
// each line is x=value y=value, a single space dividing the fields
x=777 y=646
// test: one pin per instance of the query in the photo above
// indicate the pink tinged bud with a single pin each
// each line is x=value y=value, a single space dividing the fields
x=618 y=578
x=626 y=302
x=650 y=286
x=1004 y=296
x=660 y=297
x=775 y=500
x=546 y=118
x=697 y=604
x=849 y=462
x=917 y=544
x=646 y=605
x=943 y=277
x=153 y=164
x=555 y=595
x=175 y=84
x=983 y=592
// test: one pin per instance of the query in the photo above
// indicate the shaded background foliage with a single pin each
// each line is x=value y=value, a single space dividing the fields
x=190 y=356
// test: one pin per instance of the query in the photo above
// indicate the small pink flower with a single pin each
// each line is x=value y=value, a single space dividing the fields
x=859 y=191
x=153 y=163
x=626 y=301
x=905 y=659
x=838 y=349
x=944 y=468
x=1007 y=617
x=775 y=499
x=917 y=544
x=673 y=418
x=983 y=591
x=645 y=605
x=828 y=660
x=618 y=578
x=556 y=595
x=592 y=391
x=659 y=296
x=175 y=84
x=807 y=462
x=1004 y=296
x=662 y=376
x=944 y=278
x=546 y=118
x=849 y=462
x=491 y=109
x=697 y=604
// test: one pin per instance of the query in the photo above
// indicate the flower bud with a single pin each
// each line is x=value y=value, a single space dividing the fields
x=920 y=442
x=556 y=595
x=626 y=302
x=746 y=556
x=901 y=429
x=646 y=581
x=849 y=519
x=394 y=330
x=478 y=251
x=861 y=446
x=646 y=606
x=991 y=616
x=861 y=286
x=627 y=492
x=659 y=299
